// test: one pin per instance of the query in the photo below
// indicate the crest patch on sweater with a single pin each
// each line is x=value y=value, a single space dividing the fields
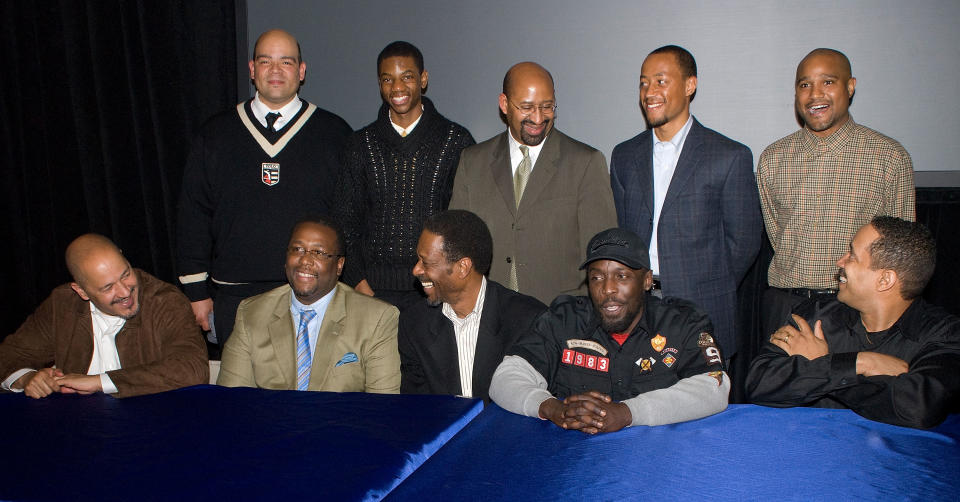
x=270 y=173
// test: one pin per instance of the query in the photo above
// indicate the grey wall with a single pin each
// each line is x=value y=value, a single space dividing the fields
x=905 y=55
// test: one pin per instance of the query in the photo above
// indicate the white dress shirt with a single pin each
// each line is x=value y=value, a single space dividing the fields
x=287 y=111
x=665 y=156
x=404 y=131
x=465 y=331
x=105 y=357
x=516 y=156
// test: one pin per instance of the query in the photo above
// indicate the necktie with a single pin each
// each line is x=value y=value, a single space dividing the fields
x=271 y=118
x=519 y=184
x=303 y=350
x=522 y=175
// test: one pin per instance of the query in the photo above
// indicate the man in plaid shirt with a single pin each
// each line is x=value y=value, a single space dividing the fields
x=819 y=185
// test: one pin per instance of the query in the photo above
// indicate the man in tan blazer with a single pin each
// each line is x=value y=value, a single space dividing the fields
x=313 y=333
x=563 y=186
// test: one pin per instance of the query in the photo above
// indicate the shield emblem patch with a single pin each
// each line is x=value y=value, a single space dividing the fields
x=658 y=342
x=270 y=173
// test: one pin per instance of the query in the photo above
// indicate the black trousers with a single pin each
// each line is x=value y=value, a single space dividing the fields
x=776 y=307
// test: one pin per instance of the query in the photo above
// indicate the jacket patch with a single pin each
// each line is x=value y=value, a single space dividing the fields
x=588 y=361
x=658 y=342
x=270 y=173
x=587 y=344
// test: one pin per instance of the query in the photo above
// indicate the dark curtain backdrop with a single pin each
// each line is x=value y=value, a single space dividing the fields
x=98 y=100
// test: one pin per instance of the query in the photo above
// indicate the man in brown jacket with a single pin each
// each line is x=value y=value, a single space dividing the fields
x=115 y=329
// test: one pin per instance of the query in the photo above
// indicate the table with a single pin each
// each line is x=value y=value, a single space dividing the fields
x=747 y=452
x=217 y=443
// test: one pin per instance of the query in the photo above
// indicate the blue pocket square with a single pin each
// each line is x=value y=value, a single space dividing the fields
x=347 y=358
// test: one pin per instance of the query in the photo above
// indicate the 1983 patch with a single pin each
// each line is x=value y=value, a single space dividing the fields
x=589 y=361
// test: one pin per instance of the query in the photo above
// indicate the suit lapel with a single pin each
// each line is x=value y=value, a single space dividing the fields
x=488 y=339
x=545 y=168
x=444 y=349
x=283 y=338
x=503 y=172
x=324 y=357
x=686 y=165
x=644 y=171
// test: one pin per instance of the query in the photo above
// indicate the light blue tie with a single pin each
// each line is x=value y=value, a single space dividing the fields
x=303 y=350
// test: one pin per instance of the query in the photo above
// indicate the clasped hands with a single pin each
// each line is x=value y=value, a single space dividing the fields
x=44 y=382
x=591 y=412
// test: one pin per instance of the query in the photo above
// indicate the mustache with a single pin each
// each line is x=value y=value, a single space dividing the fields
x=530 y=122
x=115 y=301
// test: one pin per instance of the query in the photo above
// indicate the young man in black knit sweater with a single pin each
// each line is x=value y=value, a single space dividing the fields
x=397 y=171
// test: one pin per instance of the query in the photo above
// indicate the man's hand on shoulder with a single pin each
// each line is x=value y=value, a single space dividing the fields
x=201 y=311
x=38 y=384
x=79 y=384
x=804 y=342
x=875 y=363
x=591 y=413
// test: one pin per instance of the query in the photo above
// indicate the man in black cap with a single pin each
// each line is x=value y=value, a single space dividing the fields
x=621 y=357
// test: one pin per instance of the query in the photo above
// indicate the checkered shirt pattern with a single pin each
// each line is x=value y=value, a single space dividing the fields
x=817 y=192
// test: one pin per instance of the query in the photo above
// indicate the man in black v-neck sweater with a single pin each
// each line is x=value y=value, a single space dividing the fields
x=398 y=171
x=246 y=183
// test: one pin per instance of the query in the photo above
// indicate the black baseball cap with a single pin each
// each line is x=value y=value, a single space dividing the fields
x=620 y=245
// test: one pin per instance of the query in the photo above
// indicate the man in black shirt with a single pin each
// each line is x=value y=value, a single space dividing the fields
x=621 y=357
x=397 y=171
x=877 y=349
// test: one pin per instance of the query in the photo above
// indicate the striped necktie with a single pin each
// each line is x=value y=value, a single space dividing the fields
x=303 y=350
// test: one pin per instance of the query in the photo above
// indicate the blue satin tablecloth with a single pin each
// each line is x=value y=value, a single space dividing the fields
x=745 y=453
x=215 y=443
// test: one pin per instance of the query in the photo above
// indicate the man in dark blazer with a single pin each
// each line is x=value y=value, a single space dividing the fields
x=690 y=193
x=453 y=342
x=543 y=194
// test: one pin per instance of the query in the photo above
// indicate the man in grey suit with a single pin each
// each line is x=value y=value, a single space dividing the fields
x=689 y=193
x=314 y=333
x=543 y=194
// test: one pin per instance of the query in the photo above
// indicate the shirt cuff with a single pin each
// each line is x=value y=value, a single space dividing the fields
x=13 y=378
x=843 y=366
x=107 y=385
x=196 y=291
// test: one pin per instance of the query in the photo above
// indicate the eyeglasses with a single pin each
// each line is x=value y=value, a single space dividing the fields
x=528 y=108
x=313 y=253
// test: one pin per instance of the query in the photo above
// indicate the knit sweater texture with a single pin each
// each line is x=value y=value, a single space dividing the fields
x=389 y=185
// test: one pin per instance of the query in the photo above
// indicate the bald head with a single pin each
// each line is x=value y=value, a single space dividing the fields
x=87 y=251
x=839 y=61
x=522 y=75
x=528 y=103
x=103 y=276
x=273 y=36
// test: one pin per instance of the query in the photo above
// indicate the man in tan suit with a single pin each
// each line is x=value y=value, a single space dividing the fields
x=313 y=333
x=543 y=194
